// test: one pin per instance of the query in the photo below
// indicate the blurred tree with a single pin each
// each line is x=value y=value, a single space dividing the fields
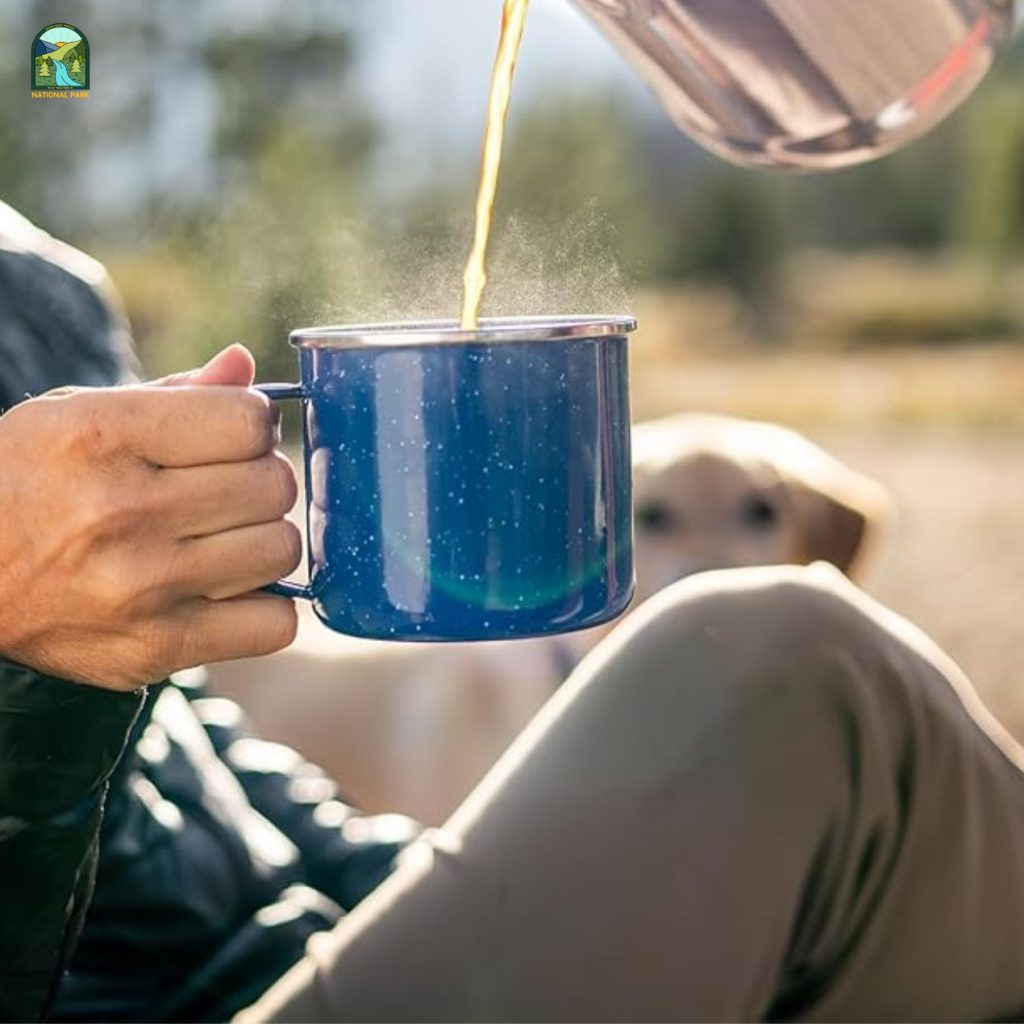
x=570 y=215
x=570 y=149
x=905 y=200
x=677 y=216
x=991 y=200
x=285 y=253
x=734 y=232
x=267 y=79
x=265 y=248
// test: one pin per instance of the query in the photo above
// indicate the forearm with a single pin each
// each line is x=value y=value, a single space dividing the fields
x=59 y=743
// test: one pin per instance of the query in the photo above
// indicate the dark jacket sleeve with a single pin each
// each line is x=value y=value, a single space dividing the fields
x=345 y=853
x=59 y=743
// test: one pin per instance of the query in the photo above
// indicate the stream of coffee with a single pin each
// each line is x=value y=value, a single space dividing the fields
x=513 y=19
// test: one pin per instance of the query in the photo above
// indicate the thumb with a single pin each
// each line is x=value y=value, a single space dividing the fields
x=232 y=366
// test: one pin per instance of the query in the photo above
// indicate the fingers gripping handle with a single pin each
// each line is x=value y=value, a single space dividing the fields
x=285 y=588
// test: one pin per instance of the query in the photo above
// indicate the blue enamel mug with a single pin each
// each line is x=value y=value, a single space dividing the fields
x=465 y=485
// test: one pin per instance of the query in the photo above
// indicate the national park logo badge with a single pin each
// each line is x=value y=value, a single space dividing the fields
x=60 y=63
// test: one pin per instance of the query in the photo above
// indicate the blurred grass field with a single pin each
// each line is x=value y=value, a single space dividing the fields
x=974 y=388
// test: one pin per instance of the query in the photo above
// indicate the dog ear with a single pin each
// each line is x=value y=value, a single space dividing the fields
x=841 y=513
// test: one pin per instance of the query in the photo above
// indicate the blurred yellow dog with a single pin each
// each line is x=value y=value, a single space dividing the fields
x=413 y=727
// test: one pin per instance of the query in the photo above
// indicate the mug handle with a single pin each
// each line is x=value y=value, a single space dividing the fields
x=285 y=588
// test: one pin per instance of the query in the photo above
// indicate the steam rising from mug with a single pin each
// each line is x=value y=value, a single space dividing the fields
x=807 y=84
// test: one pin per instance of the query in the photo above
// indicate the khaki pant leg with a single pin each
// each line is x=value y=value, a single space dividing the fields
x=763 y=796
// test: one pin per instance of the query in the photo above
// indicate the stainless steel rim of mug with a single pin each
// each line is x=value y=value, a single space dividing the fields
x=491 y=330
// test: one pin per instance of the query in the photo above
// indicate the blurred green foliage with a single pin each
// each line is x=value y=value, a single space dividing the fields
x=597 y=197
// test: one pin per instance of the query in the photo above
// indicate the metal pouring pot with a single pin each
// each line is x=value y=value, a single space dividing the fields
x=807 y=85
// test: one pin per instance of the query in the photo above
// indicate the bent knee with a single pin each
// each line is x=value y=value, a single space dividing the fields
x=745 y=635
x=751 y=614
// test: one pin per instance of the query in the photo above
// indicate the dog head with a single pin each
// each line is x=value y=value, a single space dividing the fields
x=714 y=493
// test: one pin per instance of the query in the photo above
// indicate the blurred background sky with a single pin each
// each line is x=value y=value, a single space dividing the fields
x=560 y=45
x=248 y=166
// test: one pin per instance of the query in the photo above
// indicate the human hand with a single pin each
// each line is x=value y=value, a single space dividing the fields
x=137 y=522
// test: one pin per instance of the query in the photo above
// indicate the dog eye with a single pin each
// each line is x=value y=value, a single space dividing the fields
x=760 y=513
x=655 y=518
